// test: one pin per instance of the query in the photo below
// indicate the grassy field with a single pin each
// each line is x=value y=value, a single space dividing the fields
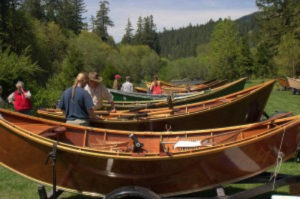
x=13 y=186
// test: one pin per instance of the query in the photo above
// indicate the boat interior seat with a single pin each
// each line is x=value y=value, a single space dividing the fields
x=56 y=132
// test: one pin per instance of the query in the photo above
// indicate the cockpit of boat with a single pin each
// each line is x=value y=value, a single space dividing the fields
x=139 y=143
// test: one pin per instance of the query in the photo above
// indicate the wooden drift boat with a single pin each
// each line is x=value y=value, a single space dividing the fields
x=96 y=161
x=187 y=88
x=245 y=106
x=195 y=97
x=134 y=96
x=294 y=84
x=283 y=83
x=168 y=84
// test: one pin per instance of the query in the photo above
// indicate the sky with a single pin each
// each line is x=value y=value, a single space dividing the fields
x=169 y=13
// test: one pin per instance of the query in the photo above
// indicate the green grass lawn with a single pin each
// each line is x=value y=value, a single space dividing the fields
x=13 y=186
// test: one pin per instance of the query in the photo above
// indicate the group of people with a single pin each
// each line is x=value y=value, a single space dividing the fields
x=127 y=86
x=80 y=100
x=85 y=96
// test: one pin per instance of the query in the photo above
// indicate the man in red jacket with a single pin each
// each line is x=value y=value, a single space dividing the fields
x=21 y=99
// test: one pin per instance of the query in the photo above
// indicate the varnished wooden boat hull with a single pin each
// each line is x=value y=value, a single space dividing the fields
x=95 y=172
x=283 y=83
x=197 y=97
x=185 y=89
x=246 y=109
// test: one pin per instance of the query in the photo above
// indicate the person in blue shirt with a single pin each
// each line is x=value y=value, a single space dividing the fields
x=77 y=103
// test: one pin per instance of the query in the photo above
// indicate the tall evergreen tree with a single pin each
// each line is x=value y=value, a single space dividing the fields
x=146 y=33
x=34 y=8
x=128 y=37
x=8 y=9
x=139 y=31
x=4 y=15
x=70 y=15
x=277 y=18
x=79 y=9
x=51 y=10
x=102 y=21
x=15 y=26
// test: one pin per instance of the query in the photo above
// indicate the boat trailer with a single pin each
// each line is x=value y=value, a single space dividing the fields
x=267 y=179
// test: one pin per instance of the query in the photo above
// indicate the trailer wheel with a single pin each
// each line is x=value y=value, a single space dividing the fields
x=132 y=192
x=294 y=91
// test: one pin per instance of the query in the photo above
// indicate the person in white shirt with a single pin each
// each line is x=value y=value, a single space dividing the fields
x=127 y=86
x=98 y=92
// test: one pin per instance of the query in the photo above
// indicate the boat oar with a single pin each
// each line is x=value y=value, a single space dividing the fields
x=153 y=105
x=146 y=114
x=138 y=108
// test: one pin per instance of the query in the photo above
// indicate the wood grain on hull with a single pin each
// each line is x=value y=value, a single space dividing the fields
x=83 y=167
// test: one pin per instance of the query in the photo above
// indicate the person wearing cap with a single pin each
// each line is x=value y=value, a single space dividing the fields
x=77 y=103
x=98 y=91
x=127 y=86
x=117 y=83
x=2 y=102
x=21 y=99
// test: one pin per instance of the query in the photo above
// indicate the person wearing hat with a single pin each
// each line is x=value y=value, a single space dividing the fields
x=98 y=91
x=77 y=103
x=117 y=83
x=127 y=86
x=21 y=99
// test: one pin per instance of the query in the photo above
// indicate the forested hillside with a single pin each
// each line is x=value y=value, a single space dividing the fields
x=183 y=42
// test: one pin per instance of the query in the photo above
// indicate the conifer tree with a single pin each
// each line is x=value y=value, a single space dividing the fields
x=146 y=33
x=4 y=14
x=79 y=9
x=102 y=21
x=34 y=8
x=138 y=38
x=69 y=15
x=128 y=37
x=51 y=10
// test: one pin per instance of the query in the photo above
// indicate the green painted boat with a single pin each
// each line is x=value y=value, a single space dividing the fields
x=196 y=97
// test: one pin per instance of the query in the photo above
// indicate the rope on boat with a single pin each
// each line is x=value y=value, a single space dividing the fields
x=279 y=161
